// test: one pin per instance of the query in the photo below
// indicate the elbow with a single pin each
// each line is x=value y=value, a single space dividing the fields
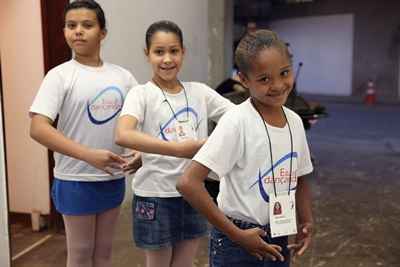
x=120 y=139
x=34 y=132
x=183 y=185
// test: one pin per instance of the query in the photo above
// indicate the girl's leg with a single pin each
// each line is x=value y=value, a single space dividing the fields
x=80 y=232
x=105 y=228
x=159 y=258
x=184 y=252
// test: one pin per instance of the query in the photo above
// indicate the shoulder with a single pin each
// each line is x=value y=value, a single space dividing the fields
x=60 y=75
x=197 y=87
x=239 y=113
x=118 y=69
x=202 y=90
x=146 y=89
x=64 y=69
x=293 y=116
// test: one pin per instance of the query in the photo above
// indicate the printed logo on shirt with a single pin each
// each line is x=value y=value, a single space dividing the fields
x=281 y=177
x=167 y=130
x=105 y=105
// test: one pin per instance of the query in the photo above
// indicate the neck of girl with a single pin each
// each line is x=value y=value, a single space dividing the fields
x=172 y=87
x=273 y=115
x=93 y=61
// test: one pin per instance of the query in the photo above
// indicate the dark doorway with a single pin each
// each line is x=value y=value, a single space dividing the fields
x=55 y=51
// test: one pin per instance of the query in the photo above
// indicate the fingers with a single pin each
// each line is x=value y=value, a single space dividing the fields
x=266 y=250
x=300 y=247
x=108 y=170
x=130 y=168
x=117 y=158
x=128 y=155
x=294 y=246
x=261 y=232
x=115 y=166
x=132 y=171
x=305 y=245
x=131 y=154
x=274 y=251
x=258 y=256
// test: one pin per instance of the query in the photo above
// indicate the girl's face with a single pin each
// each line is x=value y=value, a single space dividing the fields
x=165 y=55
x=270 y=79
x=82 y=32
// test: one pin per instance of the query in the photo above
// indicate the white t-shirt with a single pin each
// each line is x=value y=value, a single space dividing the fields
x=87 y=100
x=158 y=175
x=238 y=150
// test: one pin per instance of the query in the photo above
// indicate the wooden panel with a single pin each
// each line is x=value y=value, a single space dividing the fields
x=55 y=52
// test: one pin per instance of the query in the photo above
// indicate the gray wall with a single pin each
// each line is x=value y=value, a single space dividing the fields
x=127 y=24
x=376 y=39
x=220 y=40
x=328 y=65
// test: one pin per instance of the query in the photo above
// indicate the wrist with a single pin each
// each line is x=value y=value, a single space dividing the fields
x=308 y=221
x=84 y=155
x=235 y=234
x=175 y=148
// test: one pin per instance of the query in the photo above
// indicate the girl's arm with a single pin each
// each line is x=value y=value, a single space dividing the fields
x=304 y=211
x=191 y=186
x=43 y=132
x=127 y=135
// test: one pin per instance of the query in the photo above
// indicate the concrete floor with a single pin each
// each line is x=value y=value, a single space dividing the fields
x=356 y=197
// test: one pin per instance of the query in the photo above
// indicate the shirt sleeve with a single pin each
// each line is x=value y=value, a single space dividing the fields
x=49 y=99
x=223 y=148
x=135 y=104
x=217 y=105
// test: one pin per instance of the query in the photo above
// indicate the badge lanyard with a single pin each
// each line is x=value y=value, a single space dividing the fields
x=270 y=147
x=169 y=104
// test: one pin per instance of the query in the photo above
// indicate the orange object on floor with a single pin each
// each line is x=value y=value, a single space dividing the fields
x=370 y=93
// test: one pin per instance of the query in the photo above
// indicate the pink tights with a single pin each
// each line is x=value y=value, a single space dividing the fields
x=89 y=238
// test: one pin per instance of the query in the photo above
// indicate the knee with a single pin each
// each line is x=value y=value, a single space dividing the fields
x=103 y=252
x=81 y=253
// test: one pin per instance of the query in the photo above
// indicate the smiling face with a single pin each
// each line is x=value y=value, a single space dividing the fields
x=165 y=55
x=82 y=32
x=270 y=78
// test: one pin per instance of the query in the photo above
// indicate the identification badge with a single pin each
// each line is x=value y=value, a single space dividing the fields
x=185 y=131
x=282 y=214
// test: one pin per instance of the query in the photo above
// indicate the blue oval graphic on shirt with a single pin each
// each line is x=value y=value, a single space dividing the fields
x=263 y=192
x=105 y=105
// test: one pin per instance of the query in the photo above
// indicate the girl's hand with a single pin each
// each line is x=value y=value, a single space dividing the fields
x=134 y=159
x=251 y=240
x=188 y=148
x=104 y=160
x=302 y=240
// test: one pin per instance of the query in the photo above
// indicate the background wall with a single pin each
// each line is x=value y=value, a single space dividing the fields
x=376 y=39
x=220 y=41
x=127 y=24
x=325 y=47
x=22 y=72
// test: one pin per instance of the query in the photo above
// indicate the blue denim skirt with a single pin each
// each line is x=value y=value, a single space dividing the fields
x=164 y=222
x=225 y=253
x=84 y=198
